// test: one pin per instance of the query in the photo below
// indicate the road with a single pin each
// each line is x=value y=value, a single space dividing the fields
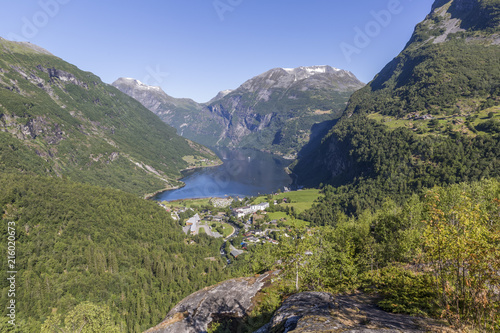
x=233 y=235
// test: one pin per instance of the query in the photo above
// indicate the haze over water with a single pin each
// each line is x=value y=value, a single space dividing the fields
x=245 y=172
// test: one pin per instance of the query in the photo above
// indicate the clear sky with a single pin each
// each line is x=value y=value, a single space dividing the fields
x=196 y=48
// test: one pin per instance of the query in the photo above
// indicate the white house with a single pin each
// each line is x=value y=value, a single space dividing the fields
x=193 y=222
x=241 y=212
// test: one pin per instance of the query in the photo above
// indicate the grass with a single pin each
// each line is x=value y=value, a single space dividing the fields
x=424 y=127
x=289 y=220
x=277 y=215
x=301 y=200
x=228 y=229
x=199 y=161
x=297 y=223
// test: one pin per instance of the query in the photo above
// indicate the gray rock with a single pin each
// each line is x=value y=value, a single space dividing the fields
x=232 y=298
x=323 y=312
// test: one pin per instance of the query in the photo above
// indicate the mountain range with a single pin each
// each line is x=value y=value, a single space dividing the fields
x=279 y=111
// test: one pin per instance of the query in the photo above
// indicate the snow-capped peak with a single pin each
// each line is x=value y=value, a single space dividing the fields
x=312 y=70
x=142 y=85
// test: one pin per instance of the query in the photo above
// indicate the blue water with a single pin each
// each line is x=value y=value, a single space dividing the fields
x=245 y=172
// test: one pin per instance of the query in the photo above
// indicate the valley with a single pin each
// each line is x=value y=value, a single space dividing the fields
x=302 y=201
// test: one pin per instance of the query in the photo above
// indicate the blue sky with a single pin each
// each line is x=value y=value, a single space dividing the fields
x=195 y=48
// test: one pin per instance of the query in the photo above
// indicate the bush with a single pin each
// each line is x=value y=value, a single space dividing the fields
x=405 y=291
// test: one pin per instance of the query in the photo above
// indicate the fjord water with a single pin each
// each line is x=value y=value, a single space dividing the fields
x=245 y=172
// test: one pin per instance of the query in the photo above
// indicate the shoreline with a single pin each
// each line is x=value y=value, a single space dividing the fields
x=149 y=196
x=177 y=200
x=202 y=167
x=191 y=170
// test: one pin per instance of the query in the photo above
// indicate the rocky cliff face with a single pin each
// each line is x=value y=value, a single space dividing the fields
x=324 y=312
x=275 y=111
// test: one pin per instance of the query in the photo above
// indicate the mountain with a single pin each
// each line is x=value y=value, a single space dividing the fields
x=430 y=117
x=56 y=119
x=181 y=113
x=277 y=111
x=450 y=65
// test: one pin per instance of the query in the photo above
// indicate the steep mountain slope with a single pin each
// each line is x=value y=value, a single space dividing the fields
x=275 y=111
x=187 y=116
x=450 y=65
x=431 y=116
x=57 y=119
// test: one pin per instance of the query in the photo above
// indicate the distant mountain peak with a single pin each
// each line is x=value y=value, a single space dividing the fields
x=220 y=95
x=304 y=72
x=137 y=83
x=309 y=77
x=313 y=69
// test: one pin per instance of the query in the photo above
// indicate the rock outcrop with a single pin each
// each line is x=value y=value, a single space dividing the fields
x=323 y=312
x=232 y=298
x=300 y=313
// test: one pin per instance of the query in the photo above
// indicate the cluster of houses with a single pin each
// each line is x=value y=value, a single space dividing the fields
x=258 y=236
x=248 y=210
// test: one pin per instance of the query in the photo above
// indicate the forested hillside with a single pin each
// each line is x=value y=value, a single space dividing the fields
x=79 y=243
x=58 y=120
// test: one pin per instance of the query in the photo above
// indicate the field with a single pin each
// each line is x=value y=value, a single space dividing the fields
x=277 y=215
x=199 y=161
x=301 y=200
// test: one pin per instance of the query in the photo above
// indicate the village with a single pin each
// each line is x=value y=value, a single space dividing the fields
x=240 y=222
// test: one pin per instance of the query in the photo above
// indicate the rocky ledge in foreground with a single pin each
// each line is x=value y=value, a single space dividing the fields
x=232 y=298
x=323 y=312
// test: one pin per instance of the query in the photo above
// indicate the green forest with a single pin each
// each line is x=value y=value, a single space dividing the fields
x=79 y=243
x=384 y=163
